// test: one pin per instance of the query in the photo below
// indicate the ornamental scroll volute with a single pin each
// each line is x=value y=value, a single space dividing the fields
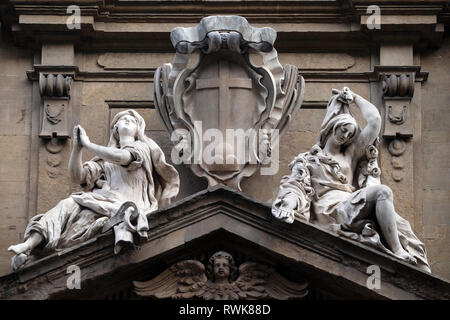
x=226 y=114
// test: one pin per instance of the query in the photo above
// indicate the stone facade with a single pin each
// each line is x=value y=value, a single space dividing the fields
x=113 y=56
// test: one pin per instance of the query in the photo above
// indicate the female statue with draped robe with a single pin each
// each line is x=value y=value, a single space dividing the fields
x=132 y=168
x=336 y=184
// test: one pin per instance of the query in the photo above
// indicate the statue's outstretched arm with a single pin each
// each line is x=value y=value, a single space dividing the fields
x=373 y=118
x=110 y=154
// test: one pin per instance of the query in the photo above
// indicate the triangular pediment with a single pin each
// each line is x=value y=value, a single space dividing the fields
x=223 y=219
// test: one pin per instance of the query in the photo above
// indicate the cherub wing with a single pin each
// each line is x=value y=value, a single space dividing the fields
x=258 y=281
x=183 y=280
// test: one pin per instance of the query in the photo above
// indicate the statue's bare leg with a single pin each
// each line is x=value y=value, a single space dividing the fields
x=33 y=241
x=383 y=199
x=60 y=214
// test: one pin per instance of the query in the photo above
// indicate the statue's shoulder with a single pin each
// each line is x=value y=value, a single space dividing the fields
x=137 y=144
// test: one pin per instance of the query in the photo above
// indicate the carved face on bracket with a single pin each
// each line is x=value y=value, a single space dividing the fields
x=344 y=133
x=126 y=126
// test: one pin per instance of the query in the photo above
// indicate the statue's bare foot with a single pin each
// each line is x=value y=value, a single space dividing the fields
x=19 y=248
x=405 y=256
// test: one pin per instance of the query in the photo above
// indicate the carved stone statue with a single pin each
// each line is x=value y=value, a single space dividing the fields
x=336 y=184
x=131 y=169
x=226 y=97
x=187 y=280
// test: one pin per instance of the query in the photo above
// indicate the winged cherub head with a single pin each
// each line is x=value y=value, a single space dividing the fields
x=221 y=267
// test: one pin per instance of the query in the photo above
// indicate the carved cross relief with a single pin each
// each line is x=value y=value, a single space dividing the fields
x=224 y=82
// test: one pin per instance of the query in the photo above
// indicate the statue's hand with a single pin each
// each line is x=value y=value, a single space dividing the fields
x=76 y=139
x=84 y=139
x=347 y=95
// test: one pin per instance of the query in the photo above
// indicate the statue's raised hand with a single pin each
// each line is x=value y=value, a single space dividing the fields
x=346 y=95
x=76 y=138
x=83 y=137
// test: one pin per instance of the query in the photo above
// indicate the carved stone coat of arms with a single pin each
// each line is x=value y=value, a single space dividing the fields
x=226 y=112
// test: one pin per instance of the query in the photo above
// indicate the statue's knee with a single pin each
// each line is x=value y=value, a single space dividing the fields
x=384 y=193
x=68 y=202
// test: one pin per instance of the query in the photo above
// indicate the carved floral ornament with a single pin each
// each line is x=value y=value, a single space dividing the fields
x=220 y=280
x=226 y=91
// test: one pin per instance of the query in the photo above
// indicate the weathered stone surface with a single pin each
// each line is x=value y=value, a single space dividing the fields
x=13 y=217
x=323 y=61
x=399 y=180
x=15 y=128
x=319 y=91
x=15 y=150
x=396 y=55
x=434 y=175
x=54 y=180
x=57 y=54
x=320 y=61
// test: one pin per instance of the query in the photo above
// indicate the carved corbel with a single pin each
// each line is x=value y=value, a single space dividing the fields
x=398 y=91
x=55 y=92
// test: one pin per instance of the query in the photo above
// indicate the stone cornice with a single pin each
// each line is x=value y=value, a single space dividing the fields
x=144 y=25
x=146 y=75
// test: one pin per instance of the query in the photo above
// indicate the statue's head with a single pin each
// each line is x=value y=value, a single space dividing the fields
x=342 y=129
x=127 y=122
x=221 y=267
x=344 y=133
